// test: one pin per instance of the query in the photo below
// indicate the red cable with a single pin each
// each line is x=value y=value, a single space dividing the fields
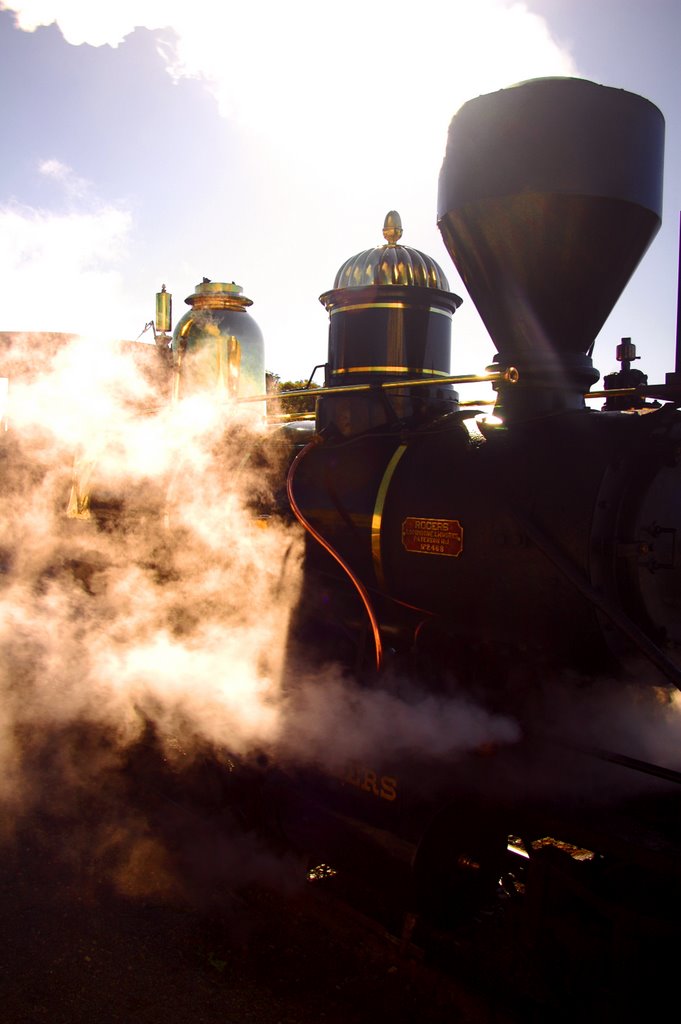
x=359 y=586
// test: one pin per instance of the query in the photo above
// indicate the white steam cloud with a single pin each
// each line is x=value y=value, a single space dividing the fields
x=164 y=600
x=166 y=604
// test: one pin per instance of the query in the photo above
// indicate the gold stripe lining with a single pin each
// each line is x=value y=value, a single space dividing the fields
x=377 y=517
x=387 y=369
x=389 y=305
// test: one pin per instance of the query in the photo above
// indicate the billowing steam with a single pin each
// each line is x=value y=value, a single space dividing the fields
x=144 y=589
x=145 y=604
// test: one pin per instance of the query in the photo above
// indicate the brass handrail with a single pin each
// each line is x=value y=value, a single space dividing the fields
x=508 y=376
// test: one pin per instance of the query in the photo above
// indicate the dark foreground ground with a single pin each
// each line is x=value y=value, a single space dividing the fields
x=120 y=903
x=73 y=950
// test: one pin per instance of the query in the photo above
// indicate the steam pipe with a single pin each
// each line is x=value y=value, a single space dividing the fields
x=356 y=582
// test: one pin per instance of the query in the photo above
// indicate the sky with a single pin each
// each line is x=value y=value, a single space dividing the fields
x=150 y=143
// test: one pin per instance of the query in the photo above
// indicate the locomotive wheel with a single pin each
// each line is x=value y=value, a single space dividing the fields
x=463 y=864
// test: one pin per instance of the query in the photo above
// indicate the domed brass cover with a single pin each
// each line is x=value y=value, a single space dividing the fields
x=218 y=295
x=391 y=264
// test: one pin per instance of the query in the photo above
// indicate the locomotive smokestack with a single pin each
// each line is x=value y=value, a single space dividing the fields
x=549 y=195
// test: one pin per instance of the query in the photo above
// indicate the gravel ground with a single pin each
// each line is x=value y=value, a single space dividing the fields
x=123 y=901
x=123 y=904
x=73 y=950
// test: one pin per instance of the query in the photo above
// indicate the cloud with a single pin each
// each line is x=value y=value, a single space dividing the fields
x=82 y=22
x=302 y=73
x=336 y=115
x=60 y=271
x=54 y=169
x=74 y=186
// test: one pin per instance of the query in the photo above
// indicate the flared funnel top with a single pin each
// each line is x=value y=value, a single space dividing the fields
x=549 y=195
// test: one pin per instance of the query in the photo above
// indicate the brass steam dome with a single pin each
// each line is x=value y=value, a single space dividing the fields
x=390 y=317
x=391 y=264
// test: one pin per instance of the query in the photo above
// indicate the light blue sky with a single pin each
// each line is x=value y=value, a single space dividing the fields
x=265 y=143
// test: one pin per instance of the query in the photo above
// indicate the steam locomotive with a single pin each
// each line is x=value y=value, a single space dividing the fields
x=511 y=557
x=495 y=553
x=546 y=533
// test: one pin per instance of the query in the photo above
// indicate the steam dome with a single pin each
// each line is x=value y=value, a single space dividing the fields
x=390 y=314
x=217 y=346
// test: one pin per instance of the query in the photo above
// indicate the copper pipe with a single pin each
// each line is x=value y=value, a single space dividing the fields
x=357 y=583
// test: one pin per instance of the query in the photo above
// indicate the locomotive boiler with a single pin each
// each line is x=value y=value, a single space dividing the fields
x=544 y=536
